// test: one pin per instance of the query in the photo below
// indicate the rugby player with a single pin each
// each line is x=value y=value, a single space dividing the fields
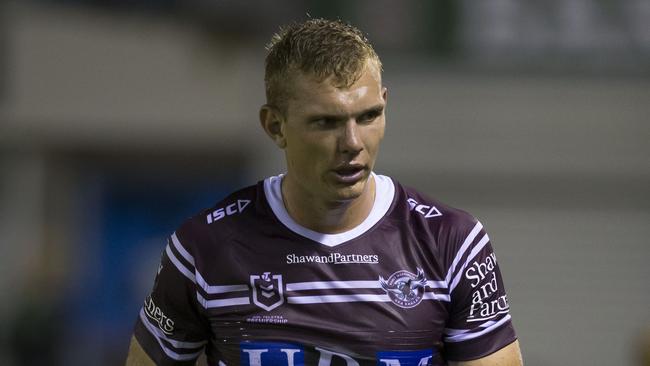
x=328 y=263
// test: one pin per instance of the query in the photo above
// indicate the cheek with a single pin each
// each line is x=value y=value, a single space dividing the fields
x=374 y=137
x=382 y=128
x=319 y=146
x=307 y=157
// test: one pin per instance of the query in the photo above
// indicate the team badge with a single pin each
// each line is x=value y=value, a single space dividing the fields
x=267 y=290
x=404 y=288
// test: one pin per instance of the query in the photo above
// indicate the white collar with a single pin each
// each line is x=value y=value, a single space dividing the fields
x=384 y=193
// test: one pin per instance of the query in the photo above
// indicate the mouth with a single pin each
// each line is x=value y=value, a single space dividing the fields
x=349 y=173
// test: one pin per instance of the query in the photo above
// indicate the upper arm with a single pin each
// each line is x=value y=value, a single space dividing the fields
x=137 y=356
x=509 y=355
x=479 y=322
x=171 y=327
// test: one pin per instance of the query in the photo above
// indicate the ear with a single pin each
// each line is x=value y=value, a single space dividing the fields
x=384 y=94
x=272 y=122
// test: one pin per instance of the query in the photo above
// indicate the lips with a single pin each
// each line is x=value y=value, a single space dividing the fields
x=349 y=173
x=349 y=169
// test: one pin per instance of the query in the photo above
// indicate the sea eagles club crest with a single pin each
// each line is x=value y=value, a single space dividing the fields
x=267 y=290
x=404 y=288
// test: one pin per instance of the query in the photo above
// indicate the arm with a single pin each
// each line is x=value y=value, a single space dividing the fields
x=509 y=355
x=170 y=329
x=137 y=356
x=479 y=322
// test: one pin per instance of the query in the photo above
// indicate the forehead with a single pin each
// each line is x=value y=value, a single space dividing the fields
x=312 y=96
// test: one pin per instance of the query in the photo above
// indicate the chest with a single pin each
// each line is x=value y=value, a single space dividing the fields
x=271 y=299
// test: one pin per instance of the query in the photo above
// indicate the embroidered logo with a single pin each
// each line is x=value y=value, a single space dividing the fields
x=404 y=288
x=156 y=314
x=229 y=210
x=424 y=210
x=268 y=290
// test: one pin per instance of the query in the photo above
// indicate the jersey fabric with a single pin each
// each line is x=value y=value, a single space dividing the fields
x=417 y=283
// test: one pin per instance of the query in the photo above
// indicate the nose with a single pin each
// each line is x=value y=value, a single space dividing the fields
x=350 y=140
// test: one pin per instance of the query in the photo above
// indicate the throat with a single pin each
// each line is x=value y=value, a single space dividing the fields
x=328 y=217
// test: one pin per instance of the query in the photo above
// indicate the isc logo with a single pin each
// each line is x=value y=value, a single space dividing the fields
x=427 y=211
x=231 y=209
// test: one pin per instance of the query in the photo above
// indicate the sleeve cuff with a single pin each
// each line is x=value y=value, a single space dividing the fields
x=165 y=351
x=482 y=346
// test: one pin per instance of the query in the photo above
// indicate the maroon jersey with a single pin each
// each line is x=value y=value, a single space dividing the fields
x=417 y=283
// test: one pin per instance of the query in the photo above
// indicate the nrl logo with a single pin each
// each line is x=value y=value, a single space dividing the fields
x=267 y=290
x=405 y=289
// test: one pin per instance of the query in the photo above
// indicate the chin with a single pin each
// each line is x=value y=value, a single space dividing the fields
x=351 y=192
x=347 y=196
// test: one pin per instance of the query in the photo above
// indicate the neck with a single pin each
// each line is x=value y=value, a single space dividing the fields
x=328 y=217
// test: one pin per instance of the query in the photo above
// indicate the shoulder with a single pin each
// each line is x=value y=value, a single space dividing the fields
x=421 y=208
x=214 y=225
x=444 y=227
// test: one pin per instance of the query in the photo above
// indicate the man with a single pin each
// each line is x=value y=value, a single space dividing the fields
x=330 y=263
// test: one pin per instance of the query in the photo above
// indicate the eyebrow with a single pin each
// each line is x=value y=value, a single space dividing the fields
x=378 y=109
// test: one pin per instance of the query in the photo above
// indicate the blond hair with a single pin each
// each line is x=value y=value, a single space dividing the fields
x=317 y=47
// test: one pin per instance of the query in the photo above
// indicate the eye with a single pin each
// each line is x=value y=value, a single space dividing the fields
x=369 y=116
x=324 y=122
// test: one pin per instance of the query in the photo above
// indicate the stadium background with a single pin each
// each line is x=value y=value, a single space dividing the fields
x=120 y=118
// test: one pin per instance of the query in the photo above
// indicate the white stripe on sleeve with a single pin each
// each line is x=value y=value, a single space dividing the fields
x=470 y=238
x=186 y=272
x=452 y=331
x=160 y=335
x=484 y=240
x=177 y=244
x=466 y=336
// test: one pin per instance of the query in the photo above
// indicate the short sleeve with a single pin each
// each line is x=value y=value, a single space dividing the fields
x=480 y=322
x=170 y=327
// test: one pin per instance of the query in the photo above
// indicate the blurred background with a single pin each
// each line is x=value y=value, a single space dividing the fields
x=120 y=118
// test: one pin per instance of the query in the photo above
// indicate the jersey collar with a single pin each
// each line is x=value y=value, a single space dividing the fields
x=384 y=194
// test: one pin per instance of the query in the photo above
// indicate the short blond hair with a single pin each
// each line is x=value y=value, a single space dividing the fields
x=317 y=47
